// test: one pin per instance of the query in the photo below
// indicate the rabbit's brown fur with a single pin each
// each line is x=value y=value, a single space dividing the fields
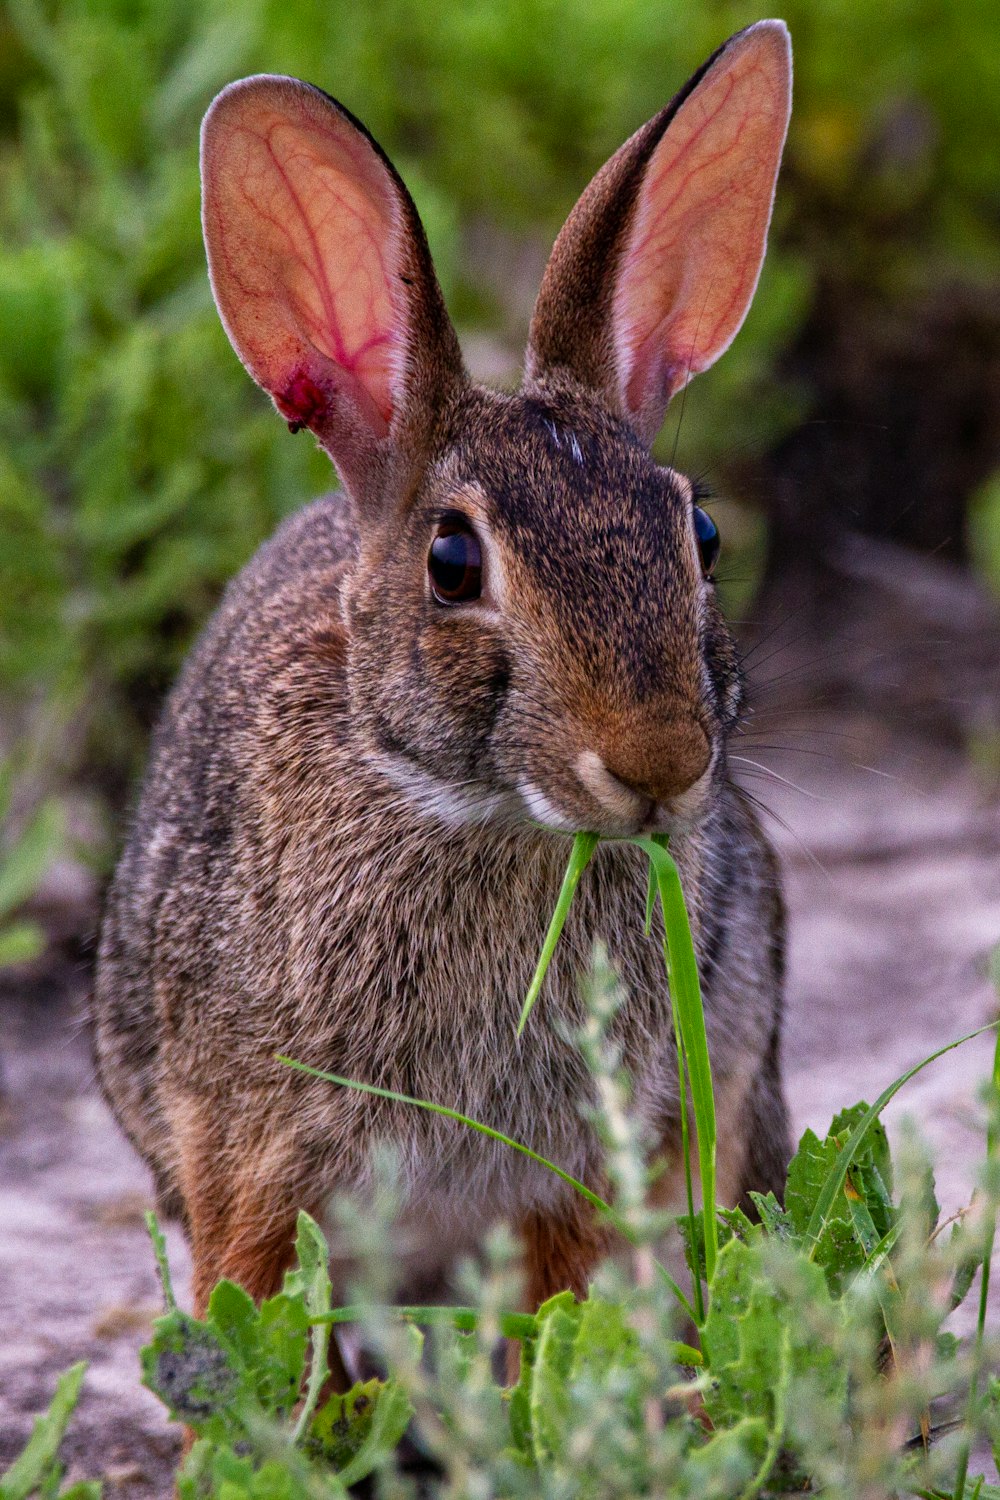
x=336 y=855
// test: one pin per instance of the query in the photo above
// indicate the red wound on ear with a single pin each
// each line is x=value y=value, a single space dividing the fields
x=304 y=238
x=302 y=403
x=692 y=257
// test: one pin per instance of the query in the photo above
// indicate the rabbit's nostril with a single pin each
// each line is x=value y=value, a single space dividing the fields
x=611 y=790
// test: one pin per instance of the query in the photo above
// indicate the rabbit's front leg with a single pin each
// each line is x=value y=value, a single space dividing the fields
x=243 y=1183
x=560 y=1252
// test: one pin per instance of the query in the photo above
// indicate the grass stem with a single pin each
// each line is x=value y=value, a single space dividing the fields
x=584 y=845
x=605 y=1209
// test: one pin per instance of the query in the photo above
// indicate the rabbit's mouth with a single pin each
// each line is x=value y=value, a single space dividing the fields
x=612 y=807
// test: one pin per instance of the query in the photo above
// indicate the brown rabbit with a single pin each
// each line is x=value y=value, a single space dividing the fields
x=502 y=629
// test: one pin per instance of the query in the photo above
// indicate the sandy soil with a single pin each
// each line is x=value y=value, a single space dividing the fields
x=892 y=861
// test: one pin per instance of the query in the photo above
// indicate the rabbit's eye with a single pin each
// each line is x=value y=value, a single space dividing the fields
x=707 y=533
x=455 y=563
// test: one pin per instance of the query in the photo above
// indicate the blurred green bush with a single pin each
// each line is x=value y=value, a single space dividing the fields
x=138 y=465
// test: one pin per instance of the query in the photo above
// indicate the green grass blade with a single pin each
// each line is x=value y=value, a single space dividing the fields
x=647 y=925
x=685 y=991
x=162 y=1262
x=682 y=1086
x=835 y=1181
x=615 y=1219
x=31 y=1472
x=984 y=1287
x=584 y=845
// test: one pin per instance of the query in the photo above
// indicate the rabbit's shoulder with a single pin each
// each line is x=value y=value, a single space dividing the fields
x=282 y=609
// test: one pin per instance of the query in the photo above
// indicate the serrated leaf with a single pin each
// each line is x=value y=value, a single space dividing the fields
x=38 y=1462
x=841 y=1248
x=732 y=1453
x=755 y=1338
x=225 y=1475
x=309 y=1280
x=578 y=1344
x=773 y=1218
x=310 y=1277
x=550 y=1398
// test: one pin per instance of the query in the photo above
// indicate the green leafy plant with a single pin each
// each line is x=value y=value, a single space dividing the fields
x=816 y=1357
x=38 y=1471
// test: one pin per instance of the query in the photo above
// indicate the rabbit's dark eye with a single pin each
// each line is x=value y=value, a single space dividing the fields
x=455 y=563
x=707 y=533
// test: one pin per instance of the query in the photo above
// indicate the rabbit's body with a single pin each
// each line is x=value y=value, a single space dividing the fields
x=337 y=855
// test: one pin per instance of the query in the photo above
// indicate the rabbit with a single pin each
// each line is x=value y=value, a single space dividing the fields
x=501 y=629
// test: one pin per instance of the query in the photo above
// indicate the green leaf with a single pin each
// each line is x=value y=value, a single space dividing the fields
x=20 y=943
x=310 y=1280
x=733 y=1452
x=37 y=1464
x=354 y=1433
x=579 y=1344
x=559 y=1320
x=234 y=1316
x=23 y=866
x=218 y=1472
x=860 y=1214
x=756 y=1342
x=195 y=1376
x=280 y=1361
x=773 y=1218
x=835 y=1179
x=689 y=1014
x=581 y=854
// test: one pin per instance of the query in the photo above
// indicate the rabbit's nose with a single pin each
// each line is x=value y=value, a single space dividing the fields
x=658 y=764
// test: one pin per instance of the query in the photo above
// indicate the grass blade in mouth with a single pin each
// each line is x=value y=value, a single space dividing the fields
x=584 y=845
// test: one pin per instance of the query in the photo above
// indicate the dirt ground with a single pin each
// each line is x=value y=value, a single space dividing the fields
x=891 y=851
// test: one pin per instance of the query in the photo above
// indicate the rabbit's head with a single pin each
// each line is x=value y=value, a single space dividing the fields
x=531 y=631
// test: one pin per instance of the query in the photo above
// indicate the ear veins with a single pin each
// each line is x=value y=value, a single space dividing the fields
x=336 y=313
x=706 y=187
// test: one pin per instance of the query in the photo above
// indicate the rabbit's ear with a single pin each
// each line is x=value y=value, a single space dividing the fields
x=655 y=268
x=322 y=276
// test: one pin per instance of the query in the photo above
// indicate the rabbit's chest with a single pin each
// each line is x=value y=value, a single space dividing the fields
x=430 y=1011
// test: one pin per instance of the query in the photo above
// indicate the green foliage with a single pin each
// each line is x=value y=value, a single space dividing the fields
x=27 y=847
x=38 y=1471
x=821 y=1363
x=236 y=1377
x=797 y=1382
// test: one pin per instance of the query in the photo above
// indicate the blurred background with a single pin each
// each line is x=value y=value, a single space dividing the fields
x=851 y=437
x=139 y=467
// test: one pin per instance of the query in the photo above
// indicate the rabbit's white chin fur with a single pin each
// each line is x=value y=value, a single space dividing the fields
x=455 y=806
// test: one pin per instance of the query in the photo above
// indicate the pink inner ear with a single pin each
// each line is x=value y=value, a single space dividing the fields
x=303 y=234
x=694 y=252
